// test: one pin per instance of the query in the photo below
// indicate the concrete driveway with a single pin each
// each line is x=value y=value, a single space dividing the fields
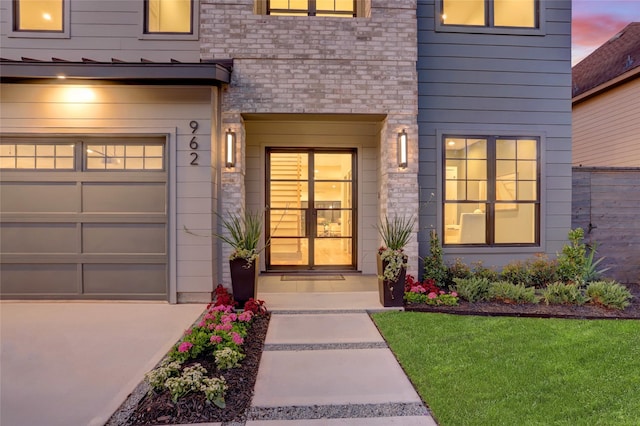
x=74 y=363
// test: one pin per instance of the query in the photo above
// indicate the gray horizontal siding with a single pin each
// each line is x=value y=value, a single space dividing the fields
x=496 y=83
x=99 y=30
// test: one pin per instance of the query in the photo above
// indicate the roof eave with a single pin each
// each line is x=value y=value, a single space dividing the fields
x=621 y=79
x=182 y=73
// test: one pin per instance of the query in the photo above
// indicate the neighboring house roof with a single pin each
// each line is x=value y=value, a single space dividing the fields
x=145 y=71
x=609 y=64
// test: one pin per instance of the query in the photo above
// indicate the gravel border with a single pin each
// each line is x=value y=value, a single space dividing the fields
x=323 y=346
x=346 y=411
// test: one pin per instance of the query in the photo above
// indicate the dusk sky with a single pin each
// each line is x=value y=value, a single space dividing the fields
x=596 y=21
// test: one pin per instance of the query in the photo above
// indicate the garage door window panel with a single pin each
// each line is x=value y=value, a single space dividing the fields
x=124 y=157
x=45 y=156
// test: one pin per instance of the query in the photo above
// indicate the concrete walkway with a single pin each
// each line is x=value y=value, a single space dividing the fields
x=74 y=363
x=323 y=366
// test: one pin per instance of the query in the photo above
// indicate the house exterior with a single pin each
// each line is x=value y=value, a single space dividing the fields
x=127 y=127
x=606 y=152
x=495 y=128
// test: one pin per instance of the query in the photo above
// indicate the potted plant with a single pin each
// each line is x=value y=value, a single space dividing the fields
x=243 y=235
x=392 y=261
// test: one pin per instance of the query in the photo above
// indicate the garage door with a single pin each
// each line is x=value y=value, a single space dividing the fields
x=83 y=218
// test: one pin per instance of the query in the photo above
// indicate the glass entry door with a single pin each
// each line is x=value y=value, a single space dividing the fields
x=311 y=202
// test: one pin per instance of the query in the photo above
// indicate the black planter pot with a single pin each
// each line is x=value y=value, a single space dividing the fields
x=244 y=280
x=391 y=292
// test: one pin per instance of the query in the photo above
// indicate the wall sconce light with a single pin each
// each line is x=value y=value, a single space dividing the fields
x=230 y=148
x=402 y=150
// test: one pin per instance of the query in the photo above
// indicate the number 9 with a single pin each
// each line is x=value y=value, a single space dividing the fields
x=194 y=125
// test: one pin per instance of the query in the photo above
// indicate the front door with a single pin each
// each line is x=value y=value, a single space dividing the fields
x=312 y=215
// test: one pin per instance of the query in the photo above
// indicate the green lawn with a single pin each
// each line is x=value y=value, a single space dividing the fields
x=519 y=371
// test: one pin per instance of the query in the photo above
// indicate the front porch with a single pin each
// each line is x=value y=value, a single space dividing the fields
x=334 y=292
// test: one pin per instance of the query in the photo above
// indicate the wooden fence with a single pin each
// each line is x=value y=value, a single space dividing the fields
x=606 y=204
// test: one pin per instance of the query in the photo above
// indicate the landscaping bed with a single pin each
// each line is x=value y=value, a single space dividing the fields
x=156 y=409
x=541 y=309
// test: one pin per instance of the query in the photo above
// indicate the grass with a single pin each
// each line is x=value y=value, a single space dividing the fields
x=519 y=371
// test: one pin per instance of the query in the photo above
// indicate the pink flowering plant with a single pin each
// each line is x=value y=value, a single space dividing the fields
x=219 y=333
x=428 y=292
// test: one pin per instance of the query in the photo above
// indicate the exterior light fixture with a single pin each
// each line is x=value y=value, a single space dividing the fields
x=402 y=150
x=230 y=148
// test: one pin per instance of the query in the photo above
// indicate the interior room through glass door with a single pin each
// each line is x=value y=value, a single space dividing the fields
x=311 y=204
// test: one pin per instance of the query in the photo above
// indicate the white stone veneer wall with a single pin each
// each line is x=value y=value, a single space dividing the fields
x=320 y=65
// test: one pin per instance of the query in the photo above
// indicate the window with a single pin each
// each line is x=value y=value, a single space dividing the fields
x=168 y=17
x=38 y=15
x=41 y=156
x=125 y=157
x=490 y=13
x=491 y=190
x=336 y=8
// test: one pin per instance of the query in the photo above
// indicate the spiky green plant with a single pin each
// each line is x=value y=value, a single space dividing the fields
x=243 y=233
x=396 y=233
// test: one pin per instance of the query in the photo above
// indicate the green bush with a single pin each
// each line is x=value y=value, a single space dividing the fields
x=609 y=294
x=516 y=272
x=459 y=269
x=481 y=271
x=561 y=293
x=472 y=289
x=572 y=260
x=434 y=267
x=542 y=270
x=512 y=293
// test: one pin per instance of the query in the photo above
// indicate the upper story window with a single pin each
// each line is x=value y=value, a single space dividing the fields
x=168 y=17
x=336 y=8
x=38 y=15
x=490 y=13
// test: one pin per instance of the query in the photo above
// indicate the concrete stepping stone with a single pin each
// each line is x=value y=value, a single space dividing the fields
x=321 y=328
x=325 y=377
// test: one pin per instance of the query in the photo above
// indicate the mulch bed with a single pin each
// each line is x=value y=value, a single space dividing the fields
x=539 y=310
x=158 y=409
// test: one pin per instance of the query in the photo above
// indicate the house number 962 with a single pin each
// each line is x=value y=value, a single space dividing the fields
x=193 y=145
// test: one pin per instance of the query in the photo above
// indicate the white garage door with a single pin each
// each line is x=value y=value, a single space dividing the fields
x=83 y=218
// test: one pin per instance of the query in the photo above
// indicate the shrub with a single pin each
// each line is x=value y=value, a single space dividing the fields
x=512 y=293
x=481 y=271
x=609 y=294
x=472 y=289
x=542 y=270
x=561 y=293
x=434 y=267
x=458 y=269
x=516 y=272
x=571 y=262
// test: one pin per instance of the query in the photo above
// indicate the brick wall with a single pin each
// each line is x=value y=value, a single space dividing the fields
x=321 y=65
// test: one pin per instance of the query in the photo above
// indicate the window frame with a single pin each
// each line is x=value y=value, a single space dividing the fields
x=195 y=25
x=14 y=32
x=312 y=10
x=490 y=218
x=539 y=29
